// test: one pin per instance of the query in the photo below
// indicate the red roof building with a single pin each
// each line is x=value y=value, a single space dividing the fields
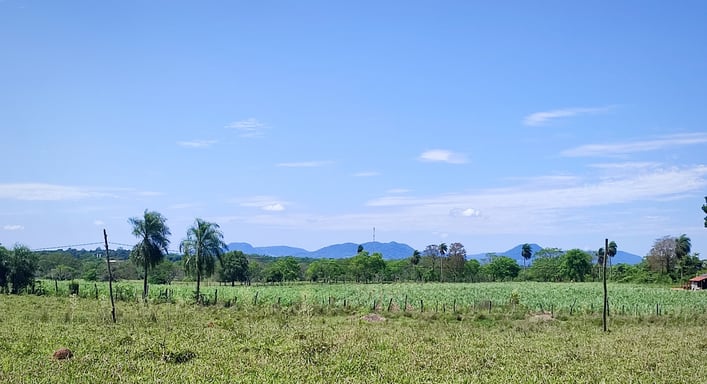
x=699 y=282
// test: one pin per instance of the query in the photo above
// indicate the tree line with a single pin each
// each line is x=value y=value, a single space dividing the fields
x=203 y=254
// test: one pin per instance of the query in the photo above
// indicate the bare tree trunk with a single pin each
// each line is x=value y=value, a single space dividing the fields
x=606 y=295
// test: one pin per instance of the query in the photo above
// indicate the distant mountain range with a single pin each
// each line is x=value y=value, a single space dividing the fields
x=392 y=251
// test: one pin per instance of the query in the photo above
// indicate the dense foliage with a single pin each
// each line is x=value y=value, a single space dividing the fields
x=549 y=264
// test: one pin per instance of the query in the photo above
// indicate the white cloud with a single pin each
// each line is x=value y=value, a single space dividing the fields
x=48 y=192
x=468 y=212
x=367 y=174
x=304 y=164
x=98 y=223
x=542 y=118
x=13 y=227
x=275 y=207
x=197 y=143
x=640 y=186
x=590 y=208
x=443 y=155
x=249 y=128
x=266 y=203
x=614 y=149
x=657 y=184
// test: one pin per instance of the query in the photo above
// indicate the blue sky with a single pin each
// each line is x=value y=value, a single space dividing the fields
x=312 y=122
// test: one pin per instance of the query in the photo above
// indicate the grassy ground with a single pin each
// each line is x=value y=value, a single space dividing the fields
x=178 y=342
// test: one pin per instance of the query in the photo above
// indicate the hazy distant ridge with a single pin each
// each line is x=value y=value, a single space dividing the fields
x=392 y=251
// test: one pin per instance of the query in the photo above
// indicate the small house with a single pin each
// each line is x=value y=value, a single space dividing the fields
x=699 y=282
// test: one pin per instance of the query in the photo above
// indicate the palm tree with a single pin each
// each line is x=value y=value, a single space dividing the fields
x=415 y=260
x=152 y=248
x=600 y=258
x=611 y=252
x=204 y=242
x=527 y=253
x=442 y=251
x=683 y=246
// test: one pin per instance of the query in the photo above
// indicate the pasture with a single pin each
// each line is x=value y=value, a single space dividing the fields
x=307 y=338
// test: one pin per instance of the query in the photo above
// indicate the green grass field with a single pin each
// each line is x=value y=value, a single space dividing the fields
x=303 y=341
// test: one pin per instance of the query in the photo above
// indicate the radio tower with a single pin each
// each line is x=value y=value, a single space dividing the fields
x=374 y=234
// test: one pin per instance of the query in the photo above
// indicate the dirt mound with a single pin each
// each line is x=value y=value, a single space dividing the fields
x=373 y=318
x=62 y=354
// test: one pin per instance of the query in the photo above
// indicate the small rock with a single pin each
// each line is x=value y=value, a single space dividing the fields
x=63 y=354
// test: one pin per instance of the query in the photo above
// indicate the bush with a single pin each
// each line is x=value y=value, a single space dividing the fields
x=74 y=288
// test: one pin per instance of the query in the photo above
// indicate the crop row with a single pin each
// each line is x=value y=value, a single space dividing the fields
x=558 y=297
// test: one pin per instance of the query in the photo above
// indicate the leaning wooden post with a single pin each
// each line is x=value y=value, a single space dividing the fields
x=606 y=296
x=110 y=277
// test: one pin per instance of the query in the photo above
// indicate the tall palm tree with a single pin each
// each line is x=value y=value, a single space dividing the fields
x=610 y=253
x=442 y=251
x=152 y=248
x=527 y=253
x=203 y=243
x=415 y=260
x=683 y=246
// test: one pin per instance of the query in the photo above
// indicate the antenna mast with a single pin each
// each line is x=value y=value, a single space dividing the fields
x=374 y=234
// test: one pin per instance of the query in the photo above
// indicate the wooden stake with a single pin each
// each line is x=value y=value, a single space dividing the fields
x=110 y=277
x=606 y=295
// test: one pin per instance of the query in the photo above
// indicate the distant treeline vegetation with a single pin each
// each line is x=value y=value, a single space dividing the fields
x=669 y=262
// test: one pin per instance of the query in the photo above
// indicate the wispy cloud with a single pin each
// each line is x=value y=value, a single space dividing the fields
x=13 y=227
x=443 y=156
x=628 y=165
x=197 y=143
x=542 y=118
x=265 y=203
x=98 y=223
x=614 y=149
x=367 y=174
x=275 y=207
x=584 y=208
x=464 y=212
x=656 y=184
x=304 y=164
x=49 y=192
x=249 y=128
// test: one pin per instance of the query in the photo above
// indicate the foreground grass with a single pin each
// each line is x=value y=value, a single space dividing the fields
x=168 y=343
